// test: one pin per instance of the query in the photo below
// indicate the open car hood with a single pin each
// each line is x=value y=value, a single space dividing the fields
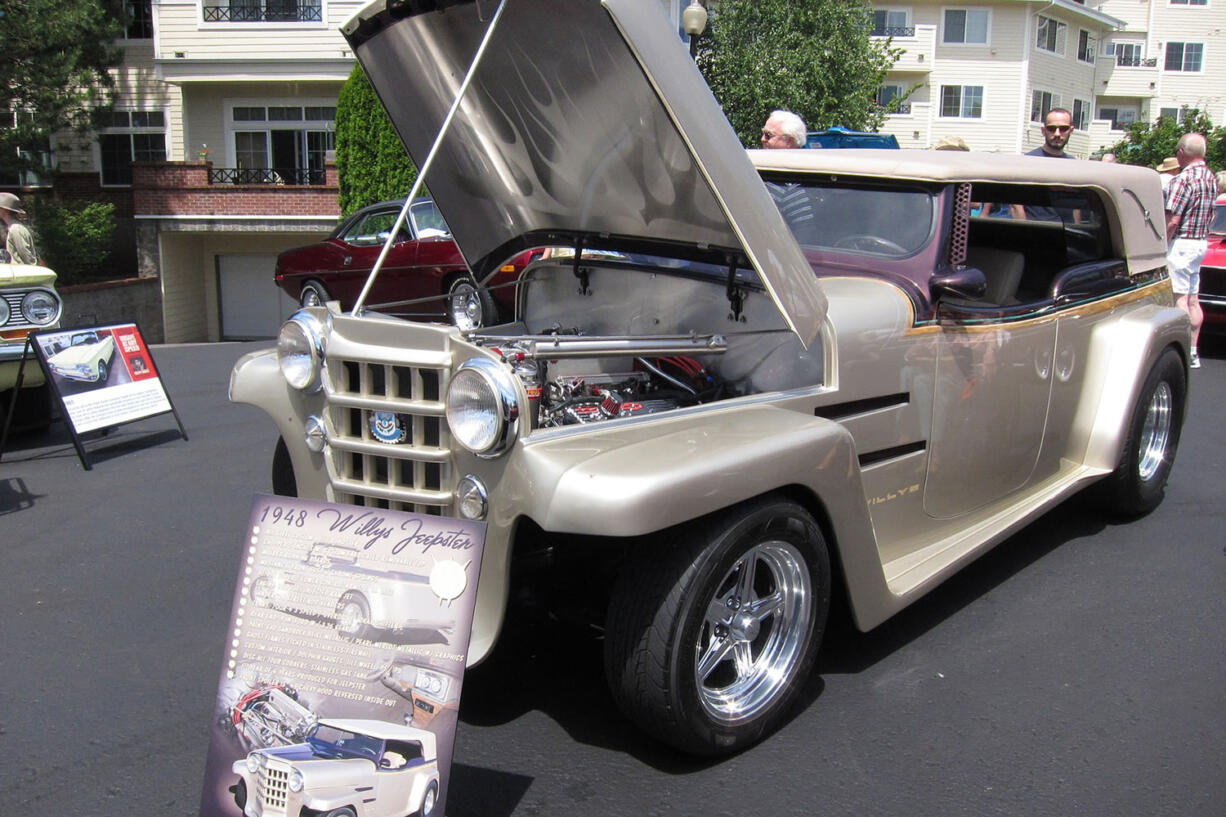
x=585 y=122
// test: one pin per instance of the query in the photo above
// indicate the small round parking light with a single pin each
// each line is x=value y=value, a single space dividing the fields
x=314 y=433
x=471 y=498
x=300 y=352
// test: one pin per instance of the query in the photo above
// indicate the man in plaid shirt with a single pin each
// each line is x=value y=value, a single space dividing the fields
x=1189 y=210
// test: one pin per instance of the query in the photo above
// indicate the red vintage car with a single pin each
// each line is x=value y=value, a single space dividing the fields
x=424 y=276
x=1213 y=270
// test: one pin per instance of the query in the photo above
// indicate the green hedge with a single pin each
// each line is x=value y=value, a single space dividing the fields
x=371 y=162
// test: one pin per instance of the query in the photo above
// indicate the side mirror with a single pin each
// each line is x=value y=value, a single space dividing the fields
x=961 y=282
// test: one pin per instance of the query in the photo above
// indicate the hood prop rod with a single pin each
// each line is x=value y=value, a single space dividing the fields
x=359 y=306
x=736 y=294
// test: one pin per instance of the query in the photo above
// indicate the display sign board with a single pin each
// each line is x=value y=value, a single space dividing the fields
x=343 y=665
x=102 y=376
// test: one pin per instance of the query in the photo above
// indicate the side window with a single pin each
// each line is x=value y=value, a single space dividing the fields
x=1038 y=233
x=374 y=229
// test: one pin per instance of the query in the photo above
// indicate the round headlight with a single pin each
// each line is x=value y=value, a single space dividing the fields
x=5 y=312
x=253 y=762
x=40 y=307
x=300 y=351
x=295 y=780
x=482 y=407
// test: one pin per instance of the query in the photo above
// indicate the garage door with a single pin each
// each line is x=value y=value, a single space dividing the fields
x=252 y=306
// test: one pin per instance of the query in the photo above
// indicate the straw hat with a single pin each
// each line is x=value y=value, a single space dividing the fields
x=951 y=143
x=1168 y=164
x=11 y=203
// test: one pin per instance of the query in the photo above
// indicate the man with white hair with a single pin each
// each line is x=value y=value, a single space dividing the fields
x=784 y=129
x=1189 y=211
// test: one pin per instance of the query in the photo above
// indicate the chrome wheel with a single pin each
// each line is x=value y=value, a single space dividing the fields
x=1155 y=432
x=754 y=632
x=312 y=296
x=464 y=307
x=352 y=616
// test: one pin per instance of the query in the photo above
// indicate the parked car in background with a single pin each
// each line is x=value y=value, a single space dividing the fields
x=790 y=371
x=837 y=137
x=28 y=303
x=424 y=276
x=87 y=358
x=1213 y=271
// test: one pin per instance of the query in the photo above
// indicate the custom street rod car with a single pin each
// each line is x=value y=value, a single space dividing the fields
x=346 y=768
x=362 y=598
x=28 y=303
x=424 y=275
x=87 y=358
x=797 y=368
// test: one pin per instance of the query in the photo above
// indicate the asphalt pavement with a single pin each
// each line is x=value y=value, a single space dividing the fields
x=1077 y=669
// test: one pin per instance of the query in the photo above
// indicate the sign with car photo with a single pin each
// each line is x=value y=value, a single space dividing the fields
x=341 y=678
x=104 y=375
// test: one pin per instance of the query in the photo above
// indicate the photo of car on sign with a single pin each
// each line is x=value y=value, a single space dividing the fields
x=87 y=358
x=794 y=370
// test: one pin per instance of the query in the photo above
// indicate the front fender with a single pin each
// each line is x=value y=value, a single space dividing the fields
x=256 y=380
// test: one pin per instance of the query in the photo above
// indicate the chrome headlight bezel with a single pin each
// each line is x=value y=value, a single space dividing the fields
x=5 y=312
x=295 y=781
x=482 y=407
x=300 y=351
x=51 y=303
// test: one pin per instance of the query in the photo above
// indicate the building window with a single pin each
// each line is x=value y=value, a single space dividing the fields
x=890 y=92
x=965 y=26
x=1127 y=54
x=20 y=173
x=262 y=11
x=138 y=19
x=127 y=137
x=1040 y=103
x=1081 y=114
x=1184 y=56
x=1051 y=35
x=963 y=101
x=892 y=22
x=1189 y=2
x=1086 y=46
x=1120 y=118
x=280 y=144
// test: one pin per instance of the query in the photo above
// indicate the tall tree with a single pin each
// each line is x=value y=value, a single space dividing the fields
x=814 y=57
x=371 y=162
x=1148 y=143
x=55 y=71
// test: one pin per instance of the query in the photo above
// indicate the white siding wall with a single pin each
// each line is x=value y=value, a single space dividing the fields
x=1205 y=89
x=181 y=30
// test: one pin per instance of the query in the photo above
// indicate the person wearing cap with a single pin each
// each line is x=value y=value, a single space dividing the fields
x=19 y=242
x=1167 y=170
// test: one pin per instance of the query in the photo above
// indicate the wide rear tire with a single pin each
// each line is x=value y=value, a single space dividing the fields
x=712 y=633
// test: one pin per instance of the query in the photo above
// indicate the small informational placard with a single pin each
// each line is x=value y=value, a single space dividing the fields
x=340 y=684
x=104 y=375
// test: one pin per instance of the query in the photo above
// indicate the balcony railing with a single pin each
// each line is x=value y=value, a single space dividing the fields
x=265 y=175
x=893 y=31
x=271 y=11
x=1136 y=62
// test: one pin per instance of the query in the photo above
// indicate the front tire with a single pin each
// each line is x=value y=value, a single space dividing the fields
x=313 y=294
x=283 y=481
x=469 y=306
x=710 y=639
x=1138 y=483
x=104 y=372
x=429 y=800
x=353 y=616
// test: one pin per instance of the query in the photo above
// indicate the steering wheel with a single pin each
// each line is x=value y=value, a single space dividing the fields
x=869 y=243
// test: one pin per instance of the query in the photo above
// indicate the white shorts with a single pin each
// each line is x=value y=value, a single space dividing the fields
x=1183 y=262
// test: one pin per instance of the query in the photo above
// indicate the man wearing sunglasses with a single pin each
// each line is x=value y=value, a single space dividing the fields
x=1057 y=128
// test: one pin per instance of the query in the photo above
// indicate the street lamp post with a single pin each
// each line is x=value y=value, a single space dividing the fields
x=694 y=21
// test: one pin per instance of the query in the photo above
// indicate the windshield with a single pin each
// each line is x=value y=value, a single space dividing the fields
x=1219 y=219
x=330 y=742
x=427 y=220
x=890 y=222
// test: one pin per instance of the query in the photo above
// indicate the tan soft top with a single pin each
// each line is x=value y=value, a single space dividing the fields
x=1133 y=194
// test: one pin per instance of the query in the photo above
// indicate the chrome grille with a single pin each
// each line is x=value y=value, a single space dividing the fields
x=274 y=789
x=411 y=475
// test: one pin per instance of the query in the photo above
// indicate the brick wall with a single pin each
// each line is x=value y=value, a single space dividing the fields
x=182 y=188
x=134 y=300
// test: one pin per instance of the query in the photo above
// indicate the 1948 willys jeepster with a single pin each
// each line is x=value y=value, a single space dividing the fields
x=756 y=374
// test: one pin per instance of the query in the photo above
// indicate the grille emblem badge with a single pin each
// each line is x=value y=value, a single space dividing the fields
x=388 y=427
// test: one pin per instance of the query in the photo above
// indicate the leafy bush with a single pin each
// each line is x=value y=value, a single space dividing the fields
x=371 y=163
x=1148 y=143
x=73 y=238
